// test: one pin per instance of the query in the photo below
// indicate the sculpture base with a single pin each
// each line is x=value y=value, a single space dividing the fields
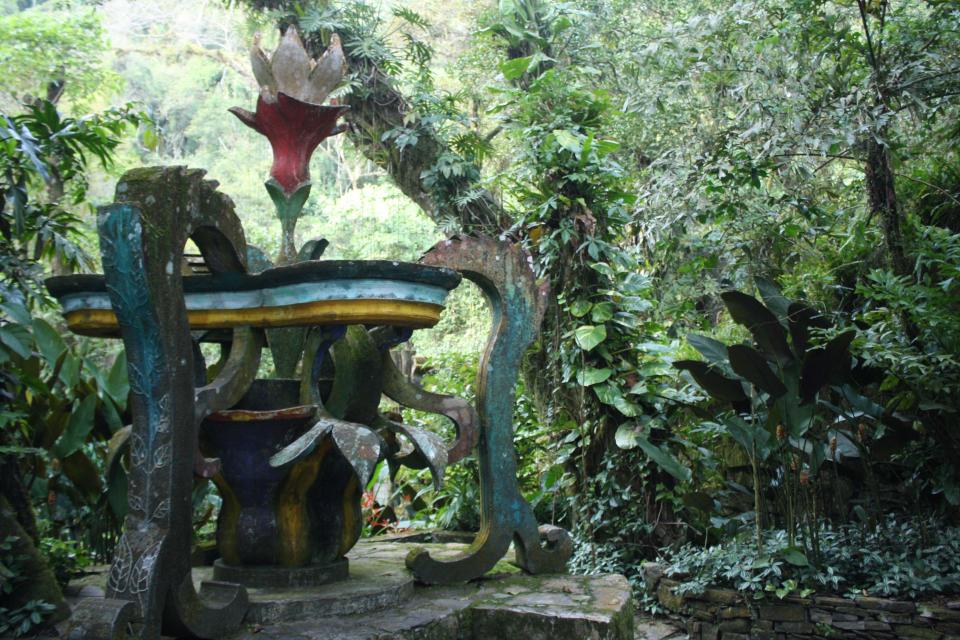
x=275 y=577
x=379 y=600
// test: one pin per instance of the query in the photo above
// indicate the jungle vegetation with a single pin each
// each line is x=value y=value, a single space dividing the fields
x=748 y=213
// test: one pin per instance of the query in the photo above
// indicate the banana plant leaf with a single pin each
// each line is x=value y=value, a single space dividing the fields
x=719 y=386
x=83 y=474
x=713 y=350
x=824 y=366
x=750 y=364
x=773 y=298
x=762 y=323
x=801 y=319
x=749 y=435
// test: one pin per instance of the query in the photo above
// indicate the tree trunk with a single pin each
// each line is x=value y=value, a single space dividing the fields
x=882 y=200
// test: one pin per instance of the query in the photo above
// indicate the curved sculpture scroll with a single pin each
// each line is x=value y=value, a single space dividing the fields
x=517 y=302
x=142 y=238
x=464 y=418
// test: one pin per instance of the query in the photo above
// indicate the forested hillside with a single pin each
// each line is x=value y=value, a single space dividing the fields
x=748 y=214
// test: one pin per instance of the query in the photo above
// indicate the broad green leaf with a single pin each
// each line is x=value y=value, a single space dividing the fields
x=773 y=297
x=70 y=371
x=15 y=311
x=48 y=339
x=664 y=459
x=796 y=417
x=713 y=350
x=117 y=491
x=110 y=415
x=588 y=377
x=604 y=147
x=801 y=319
x=720 y=387
x=82 y=473
x=149 y=138
x=608 y=393
x=795 y=556
x=626 y=407
x=17 y=339
x=748 y=435
x=552 y=477
x=513 y=69
x=635 y=304
x=561 y=23
x=567 y=140
x=602 y=312
x=580 y=308
x=749 y=364
x=603 y=268
x=78 y=428
x=589 y=336
x=117 y=384
x=626 y=436
x=762 y=323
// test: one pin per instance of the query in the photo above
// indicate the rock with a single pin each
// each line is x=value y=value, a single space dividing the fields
x=873 y=625
x=702 y=614
x=739 y=625
x=782 y=612
x=821 y=615
x=720 y=596
x=651 y=572
x=940 y=613
x=794 y=627
x=952 y=630
x=668 y=598
x=882 y=604
x=727 y=613
x=831 y=601
x=654 y=630
x=916 y=633
x=852 y=625
x=894 y=618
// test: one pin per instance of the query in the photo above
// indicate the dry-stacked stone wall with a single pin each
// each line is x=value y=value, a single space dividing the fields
x=726 y=614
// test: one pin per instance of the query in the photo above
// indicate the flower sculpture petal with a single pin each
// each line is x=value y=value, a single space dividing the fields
x=291 y=71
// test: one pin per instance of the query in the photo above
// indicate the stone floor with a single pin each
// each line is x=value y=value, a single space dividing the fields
x=380 y=601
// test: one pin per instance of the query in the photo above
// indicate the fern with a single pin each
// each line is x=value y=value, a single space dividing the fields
x=412 y=17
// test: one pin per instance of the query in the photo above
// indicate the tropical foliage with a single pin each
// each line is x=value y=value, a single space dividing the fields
x=748 y=213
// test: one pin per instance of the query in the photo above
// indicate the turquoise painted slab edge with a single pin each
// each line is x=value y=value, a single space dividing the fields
x=284 y=295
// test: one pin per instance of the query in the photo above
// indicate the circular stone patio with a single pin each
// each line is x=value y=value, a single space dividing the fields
x=380 y=601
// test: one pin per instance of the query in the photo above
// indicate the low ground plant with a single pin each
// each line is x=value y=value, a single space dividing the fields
x=895 y=558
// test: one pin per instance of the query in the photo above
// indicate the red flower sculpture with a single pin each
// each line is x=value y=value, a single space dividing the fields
x=292 y=116
x=294 y=129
